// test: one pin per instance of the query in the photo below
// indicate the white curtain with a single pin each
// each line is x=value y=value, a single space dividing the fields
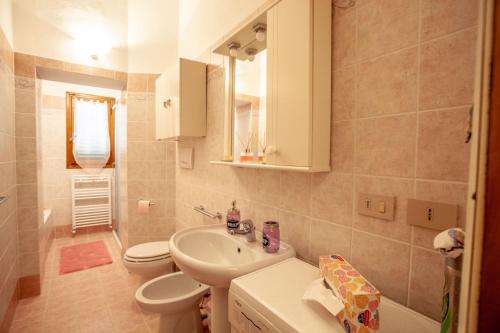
x=91 y=142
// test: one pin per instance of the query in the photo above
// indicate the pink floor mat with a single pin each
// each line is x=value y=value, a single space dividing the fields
x=83 y=256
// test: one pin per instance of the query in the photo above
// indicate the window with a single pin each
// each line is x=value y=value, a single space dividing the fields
x=90 y=129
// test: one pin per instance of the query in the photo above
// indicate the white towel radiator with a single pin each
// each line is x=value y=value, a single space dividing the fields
x=91 y=201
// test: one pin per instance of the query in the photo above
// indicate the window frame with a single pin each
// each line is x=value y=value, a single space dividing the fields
x=70 y=97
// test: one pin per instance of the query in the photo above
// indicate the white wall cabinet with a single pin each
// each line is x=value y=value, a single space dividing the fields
x=181 y=99
x=299 y=84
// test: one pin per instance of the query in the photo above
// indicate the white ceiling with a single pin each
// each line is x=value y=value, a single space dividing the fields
x=145 y=29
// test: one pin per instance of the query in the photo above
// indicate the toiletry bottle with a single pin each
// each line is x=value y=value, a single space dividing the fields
x=233 y=218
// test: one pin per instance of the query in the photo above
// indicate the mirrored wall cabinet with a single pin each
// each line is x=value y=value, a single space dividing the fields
x=278 y=82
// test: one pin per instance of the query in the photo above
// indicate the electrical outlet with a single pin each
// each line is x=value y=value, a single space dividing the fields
x=379 y=206
x=433 y=215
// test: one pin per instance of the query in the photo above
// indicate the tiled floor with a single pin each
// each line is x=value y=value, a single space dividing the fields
x=95 y=300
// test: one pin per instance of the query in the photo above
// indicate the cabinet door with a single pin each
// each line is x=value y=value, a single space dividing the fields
x=192 y=98
x=167 y=107
x=289 y=116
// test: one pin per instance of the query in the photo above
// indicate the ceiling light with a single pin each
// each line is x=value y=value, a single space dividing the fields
x=251 y=52
x=233 y=49
x=260 y=31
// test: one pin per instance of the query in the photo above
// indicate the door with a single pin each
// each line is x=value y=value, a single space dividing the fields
x=289 y=105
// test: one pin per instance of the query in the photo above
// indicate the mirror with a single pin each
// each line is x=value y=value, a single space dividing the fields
x=249 y=109
x=278 y=88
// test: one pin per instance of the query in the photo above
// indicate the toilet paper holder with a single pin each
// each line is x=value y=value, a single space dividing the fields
x=151 y=203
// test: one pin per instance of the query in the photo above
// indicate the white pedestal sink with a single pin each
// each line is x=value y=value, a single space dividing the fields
x=211 y=256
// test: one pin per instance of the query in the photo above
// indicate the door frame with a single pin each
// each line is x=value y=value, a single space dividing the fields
x=473 y=298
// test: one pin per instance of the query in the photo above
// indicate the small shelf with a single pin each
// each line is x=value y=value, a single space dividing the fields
x=269 y=166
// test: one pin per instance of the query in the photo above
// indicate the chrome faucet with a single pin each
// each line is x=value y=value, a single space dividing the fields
x=246 y=228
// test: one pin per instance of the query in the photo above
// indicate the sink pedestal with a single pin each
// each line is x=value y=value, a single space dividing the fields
x=212 y=256
x=220 y=316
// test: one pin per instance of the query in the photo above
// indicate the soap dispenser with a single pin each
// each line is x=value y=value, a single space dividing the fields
x=233 y=218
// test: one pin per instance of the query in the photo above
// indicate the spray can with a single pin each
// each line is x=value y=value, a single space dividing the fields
x=451 y=295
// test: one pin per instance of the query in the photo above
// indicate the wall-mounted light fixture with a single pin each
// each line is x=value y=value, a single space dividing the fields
x=251 y=52
x=233 y=49
x=260 y=31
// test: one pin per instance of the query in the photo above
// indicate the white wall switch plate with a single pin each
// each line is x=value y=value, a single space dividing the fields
x=185 y=158
x=433 y=215
x=378 y=206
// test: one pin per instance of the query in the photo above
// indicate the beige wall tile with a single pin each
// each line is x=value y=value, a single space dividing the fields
x=152 y=82
x=7 y=176
x=384 y=263
x=328 y=238
x=344 y=94
x=24 y=83
x=28 y=241
x=8 y=230
x=136 y=107
x=385 y=26
x=260 y=213
x=386 y=146
x=24 y=65
x=136 y=130
x=7 y=261
x=156 y=151
x=401 y=189
x=441 y=150
x=50 y=63
x=25 y=101
x=294 y=229
x=331 y=197
x=342 y=146
x=5 y=150
x=121 y=76
x=26 y=218
x=295 y=191
x=9 y=264
x=25 y=125
x=446 y=16
x=26 y=172
x=388 y=84
x=29 y=264
x=426 y=297
x=27 y=195
x=447 y=71
x=344 y=40
x=137 y=82
x=265 y=187
x=26 y=149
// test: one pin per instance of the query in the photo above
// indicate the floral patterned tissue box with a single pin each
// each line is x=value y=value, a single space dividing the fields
x=361 y=299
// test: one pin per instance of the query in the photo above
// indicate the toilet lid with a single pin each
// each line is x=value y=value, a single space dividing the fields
x=148 y=250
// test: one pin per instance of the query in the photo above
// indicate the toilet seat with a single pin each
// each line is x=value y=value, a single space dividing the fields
x=148 y=252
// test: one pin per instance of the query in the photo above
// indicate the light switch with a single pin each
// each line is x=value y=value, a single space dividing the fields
x=432 y=215
x=185 y=157
x=379 y=206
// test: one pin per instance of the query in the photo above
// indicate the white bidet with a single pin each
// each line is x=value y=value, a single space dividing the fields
x=176 y=297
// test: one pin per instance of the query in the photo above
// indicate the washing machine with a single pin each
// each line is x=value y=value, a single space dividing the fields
x=270 y=301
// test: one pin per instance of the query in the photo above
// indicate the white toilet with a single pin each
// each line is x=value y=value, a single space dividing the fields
x=176 y=297
x=148 y=260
